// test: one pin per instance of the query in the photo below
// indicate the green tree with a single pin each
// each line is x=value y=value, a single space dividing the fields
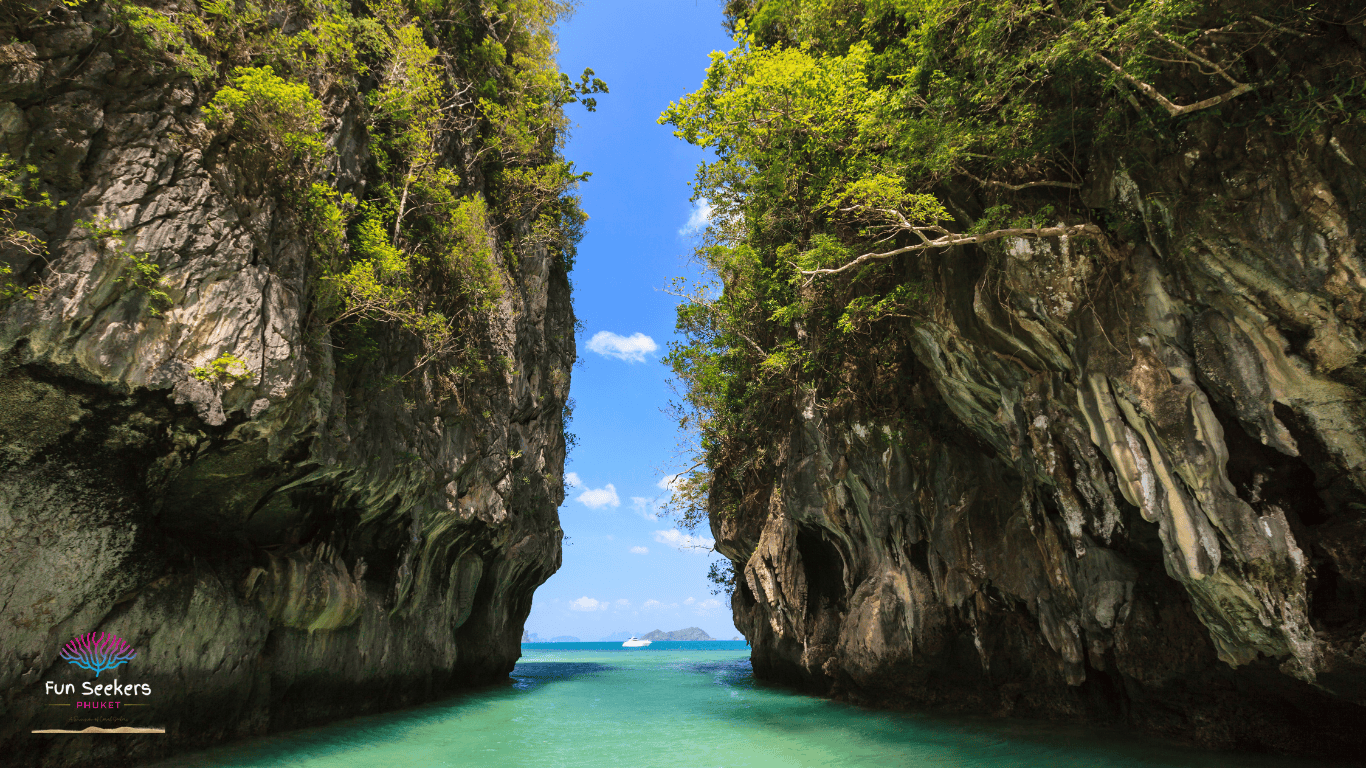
x=854 y=138
x=463 y=111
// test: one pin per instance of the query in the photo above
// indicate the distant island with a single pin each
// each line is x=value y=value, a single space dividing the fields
x=532 y=637
x=691 y=633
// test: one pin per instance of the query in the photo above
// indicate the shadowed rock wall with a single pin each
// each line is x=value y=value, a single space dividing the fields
x=314 y=540
x=1129 y=482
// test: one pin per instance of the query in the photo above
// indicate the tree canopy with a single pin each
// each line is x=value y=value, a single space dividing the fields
x=852 y=138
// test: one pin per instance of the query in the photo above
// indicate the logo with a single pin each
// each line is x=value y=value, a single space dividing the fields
x=98 y=653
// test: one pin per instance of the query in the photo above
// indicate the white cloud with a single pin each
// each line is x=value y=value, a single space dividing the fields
x=587 y=603
x=707 y=606
x=623 y=603
x=644 y=507
x=685 y=542
x=689 y=601
x=572 y=480
x=632 y=349
x=651 y=604
x=702 y=211
x=640 y=550
x=666 y=483
x=595 y=498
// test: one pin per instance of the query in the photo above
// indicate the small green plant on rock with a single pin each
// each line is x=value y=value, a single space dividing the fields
x=225 y=367
x=146 y=276
x=101 y=229
x=168 y=35
x=18 y=194
x=275 y=116
x=141 y=272
x=724 y=576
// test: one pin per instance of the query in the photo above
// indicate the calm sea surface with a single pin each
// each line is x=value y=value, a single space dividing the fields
x=691 y=705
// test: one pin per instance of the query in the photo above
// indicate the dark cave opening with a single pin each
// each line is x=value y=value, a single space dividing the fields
x=918 y=554
x=1298 y=338
x=1265 y=477
x=1333 y=602
x=824 y=571
x=1328 y=481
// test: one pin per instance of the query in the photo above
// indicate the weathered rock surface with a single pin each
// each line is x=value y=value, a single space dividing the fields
x=1130 y=484
x=306 y=543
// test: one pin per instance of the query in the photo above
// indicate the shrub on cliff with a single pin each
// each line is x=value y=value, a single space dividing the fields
x=274 y=116
x=19 y=192
x=855 y=137
x=462 y=110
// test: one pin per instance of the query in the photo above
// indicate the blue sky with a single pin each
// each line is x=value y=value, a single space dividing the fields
x=623 y=567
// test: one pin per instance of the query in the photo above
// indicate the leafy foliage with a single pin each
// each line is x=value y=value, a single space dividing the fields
x=461 y=118
x=19 y=192
x=723 y=576
x=140 y=273
x=852 y=137
x=462 y=111
x=168 y=36
x=146 y=276
x=225 y=367
x=280 y=118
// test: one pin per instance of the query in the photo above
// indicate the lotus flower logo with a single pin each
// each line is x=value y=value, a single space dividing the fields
x=98 y=652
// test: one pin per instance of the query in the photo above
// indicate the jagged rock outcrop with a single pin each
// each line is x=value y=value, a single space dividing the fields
x=299 y=538
x=1129 y=483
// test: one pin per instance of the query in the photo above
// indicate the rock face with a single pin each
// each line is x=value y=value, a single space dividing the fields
x=1130 y=483
x=318 y=538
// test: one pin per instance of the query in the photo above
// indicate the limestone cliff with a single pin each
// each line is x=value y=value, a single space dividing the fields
x=292 y=516
x=1129 y=486
x=1118 y=477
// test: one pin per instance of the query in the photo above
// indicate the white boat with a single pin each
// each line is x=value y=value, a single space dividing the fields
x=635 y=642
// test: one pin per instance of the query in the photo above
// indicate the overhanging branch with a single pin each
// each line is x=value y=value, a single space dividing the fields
x=950 y=240
x=1174 y=109
x=1024 y=186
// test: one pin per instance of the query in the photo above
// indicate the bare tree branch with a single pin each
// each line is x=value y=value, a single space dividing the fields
x=1026 y=185
x=1224 y=30
x=1197 y=57
x=1173 y=109
x=950 y=240
x=1278 y=27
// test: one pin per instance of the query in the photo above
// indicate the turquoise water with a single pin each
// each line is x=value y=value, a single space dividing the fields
x=692 y=705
